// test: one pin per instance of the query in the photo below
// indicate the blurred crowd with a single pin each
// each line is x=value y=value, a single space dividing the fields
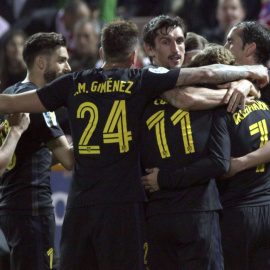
x=80 y=21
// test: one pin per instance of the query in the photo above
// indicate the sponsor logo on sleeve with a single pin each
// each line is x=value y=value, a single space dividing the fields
x=159 y=70
x=50 y=119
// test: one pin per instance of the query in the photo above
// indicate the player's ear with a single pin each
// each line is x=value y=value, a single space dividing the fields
x=250 y=49
x=40 y=62
x=133 y=58
x=101 y=53
x=149 y=50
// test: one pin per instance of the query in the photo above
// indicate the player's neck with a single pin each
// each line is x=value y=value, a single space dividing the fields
x=111 y=65
x=36 y=79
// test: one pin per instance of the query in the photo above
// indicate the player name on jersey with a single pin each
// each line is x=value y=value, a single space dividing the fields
x=106 y=87
x=258 y=105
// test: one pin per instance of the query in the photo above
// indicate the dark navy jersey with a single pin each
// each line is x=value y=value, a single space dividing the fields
x=170 y=139
x=265 y=92
x=242 y=133
x=105 y=109
x=25 y=185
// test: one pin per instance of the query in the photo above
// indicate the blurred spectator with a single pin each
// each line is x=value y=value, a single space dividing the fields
x=12 y=66
x=86 y=40
x=194 y=43
x=55 y=20
x=201 y=14
x=264 y=16
x=128 y=8
x=13 y=10
x=228 y=13
x=4 y=26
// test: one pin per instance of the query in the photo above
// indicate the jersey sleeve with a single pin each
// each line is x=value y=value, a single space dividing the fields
x=55 y=94
x=47 y=126
x=158 y=80
x=215 y=164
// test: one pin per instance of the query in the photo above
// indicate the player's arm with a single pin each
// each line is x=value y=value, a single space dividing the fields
x=191 y=98
x=200 y=98
x=197 y=173
x=253 y=159
x=218 y=74
x=62 y=152
x=25 y=102
x=18 y=124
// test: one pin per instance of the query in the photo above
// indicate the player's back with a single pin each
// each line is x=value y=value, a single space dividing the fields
x=105 y=108
x=170 y=139
x=246 y=132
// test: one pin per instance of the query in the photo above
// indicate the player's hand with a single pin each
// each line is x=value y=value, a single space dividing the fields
x=237 y=94
x=20 y=121
x=149 y=181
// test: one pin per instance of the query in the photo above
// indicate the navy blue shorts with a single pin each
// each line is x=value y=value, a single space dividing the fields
x=30 y=240
x=245 y=234
x=185 y=241
x=104 y=237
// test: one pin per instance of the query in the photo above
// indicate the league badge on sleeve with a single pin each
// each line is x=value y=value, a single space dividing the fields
x=159 y=70
x=50 y=119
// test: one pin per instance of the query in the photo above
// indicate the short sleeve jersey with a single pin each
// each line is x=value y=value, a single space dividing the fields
x=170 y=139
x=25 y=185
x=242 y=133
x=105 y=109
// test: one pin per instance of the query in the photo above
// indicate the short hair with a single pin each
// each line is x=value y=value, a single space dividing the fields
x=150 y=30
x=259 y=33
x=41 y=44
x=214 y=54
x=119 y=39
x=195 y=42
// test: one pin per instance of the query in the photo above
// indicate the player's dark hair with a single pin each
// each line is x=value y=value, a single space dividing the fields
x=163 y=23
x=41 y=44
x=253 y=31
x=119 y=39
x=194 y=41
x=150 y=30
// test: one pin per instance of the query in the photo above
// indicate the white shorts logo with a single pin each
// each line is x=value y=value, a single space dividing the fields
x=158 y=70
x=50 y=119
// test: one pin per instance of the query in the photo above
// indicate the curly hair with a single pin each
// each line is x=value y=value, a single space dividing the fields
x=213 y=54
x=119 y=39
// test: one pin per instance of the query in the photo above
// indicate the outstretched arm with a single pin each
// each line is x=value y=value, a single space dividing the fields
x=218 y=74
x=18 y=124
x=25 y=102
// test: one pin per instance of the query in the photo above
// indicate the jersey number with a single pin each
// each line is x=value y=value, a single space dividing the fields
x=261 y=128
x=157 y=120
x=115 y=130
